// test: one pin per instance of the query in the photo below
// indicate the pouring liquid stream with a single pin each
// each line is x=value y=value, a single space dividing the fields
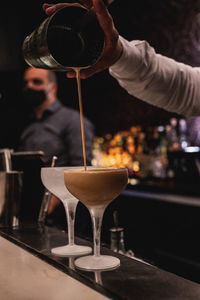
x=77 y=70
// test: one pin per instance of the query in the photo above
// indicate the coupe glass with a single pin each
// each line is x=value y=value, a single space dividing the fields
x=96 y=188
x=53 y=180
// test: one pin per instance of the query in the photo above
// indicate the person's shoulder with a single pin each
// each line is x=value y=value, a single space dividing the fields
x=69 y=109
x=72 y=112
x=63 y=109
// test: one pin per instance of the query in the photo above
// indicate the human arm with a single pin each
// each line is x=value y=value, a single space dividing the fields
x=153 y=78
x=158 y=80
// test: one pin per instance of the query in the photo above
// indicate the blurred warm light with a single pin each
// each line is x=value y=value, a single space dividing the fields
x=118 y=150
x=142 y=151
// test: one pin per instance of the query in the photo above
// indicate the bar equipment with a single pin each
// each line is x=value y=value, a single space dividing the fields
x=70 y=38
x=117 y=236
x=10 y=198
x=117 y=240
x=11 y=183
x=30 y=163
x=5 y=159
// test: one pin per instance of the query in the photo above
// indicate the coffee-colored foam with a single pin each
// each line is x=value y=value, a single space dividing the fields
x=96 y=187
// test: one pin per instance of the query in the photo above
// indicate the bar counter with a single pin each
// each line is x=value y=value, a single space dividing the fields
x=161 y=224
x=50 y=277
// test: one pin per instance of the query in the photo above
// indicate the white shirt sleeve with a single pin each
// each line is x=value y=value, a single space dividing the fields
x=158 y=80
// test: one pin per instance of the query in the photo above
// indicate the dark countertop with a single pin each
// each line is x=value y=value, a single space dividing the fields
x=132 y=280
x=167 y=186
x=165 y=190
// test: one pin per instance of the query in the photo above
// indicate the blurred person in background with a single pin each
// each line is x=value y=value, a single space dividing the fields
x=52 y=128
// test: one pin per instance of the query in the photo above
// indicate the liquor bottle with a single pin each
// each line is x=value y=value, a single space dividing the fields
x=183 y=141
x=121 y=245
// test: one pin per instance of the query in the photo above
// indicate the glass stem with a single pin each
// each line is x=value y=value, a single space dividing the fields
x=98 y=278
x=96 y=216
x=70 y=209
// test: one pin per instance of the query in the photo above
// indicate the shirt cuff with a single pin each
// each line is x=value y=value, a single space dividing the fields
x=129 y=54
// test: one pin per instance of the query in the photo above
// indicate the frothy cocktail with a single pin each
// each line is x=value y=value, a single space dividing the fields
x=96 y=187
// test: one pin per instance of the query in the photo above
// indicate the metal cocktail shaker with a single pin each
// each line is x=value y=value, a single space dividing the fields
x=71 y=37
x=11 y=183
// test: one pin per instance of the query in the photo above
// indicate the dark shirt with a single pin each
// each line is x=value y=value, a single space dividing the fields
x=58 y=133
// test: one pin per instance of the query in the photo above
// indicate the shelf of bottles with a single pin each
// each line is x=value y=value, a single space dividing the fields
x=144 y=151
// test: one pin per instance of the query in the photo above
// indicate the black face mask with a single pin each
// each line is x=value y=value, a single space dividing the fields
x=33 y=98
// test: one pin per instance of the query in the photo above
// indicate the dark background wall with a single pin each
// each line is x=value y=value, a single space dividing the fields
x=171 y=26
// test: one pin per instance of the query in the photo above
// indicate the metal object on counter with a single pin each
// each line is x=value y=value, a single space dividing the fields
x=5 y=159
x=11 y=183
x=117 y=243
x=117 y=240
x=117 y=236
x=46 y=200
x=70 y=38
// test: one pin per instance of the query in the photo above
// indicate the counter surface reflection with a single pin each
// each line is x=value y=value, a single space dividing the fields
x=132 y=280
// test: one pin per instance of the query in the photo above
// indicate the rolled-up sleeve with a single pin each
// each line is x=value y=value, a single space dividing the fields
x=158 y=80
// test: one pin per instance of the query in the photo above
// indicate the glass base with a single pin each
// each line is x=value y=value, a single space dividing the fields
x=94 y=263
x=71 y=250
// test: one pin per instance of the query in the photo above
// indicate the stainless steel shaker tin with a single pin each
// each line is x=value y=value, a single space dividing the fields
x=11 y=183
x=70 y=38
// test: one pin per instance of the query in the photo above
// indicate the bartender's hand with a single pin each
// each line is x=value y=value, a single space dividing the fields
x=112 y=48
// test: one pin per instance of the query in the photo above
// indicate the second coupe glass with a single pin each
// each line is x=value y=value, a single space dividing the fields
x=53 y=180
